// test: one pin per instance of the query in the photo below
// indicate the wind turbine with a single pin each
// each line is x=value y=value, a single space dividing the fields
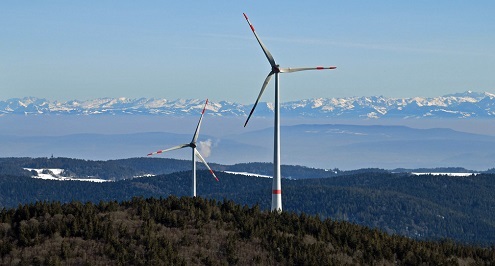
x=195 y=152
x=276 y=69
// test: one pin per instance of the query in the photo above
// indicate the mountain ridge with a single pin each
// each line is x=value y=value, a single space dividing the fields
x=458 y=105
x=324 y=146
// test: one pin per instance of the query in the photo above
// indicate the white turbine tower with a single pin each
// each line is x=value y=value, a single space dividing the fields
x=276 y=69
x=195 y=152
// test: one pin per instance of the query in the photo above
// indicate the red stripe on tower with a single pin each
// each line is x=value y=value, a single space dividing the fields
x=276 y=191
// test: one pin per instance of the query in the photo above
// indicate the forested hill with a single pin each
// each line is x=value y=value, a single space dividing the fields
x=420 y=207
x=195 y=231
x=134 y=167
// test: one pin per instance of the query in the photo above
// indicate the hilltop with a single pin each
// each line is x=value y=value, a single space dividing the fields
x=195 y=231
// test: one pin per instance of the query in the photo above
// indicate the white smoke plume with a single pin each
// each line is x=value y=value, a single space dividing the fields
x=205 y=148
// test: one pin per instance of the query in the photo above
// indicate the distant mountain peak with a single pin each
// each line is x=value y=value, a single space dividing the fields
x=469 y=93
x=468 y=104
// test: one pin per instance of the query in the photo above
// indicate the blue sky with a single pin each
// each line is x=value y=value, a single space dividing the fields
x=64 y=50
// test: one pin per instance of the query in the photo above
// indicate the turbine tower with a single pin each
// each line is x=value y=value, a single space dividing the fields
x=195 y=152
x=276 y=69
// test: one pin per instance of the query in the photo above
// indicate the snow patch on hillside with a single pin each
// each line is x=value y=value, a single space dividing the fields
x=447 y=174
x=56 y=174
x=247 y=174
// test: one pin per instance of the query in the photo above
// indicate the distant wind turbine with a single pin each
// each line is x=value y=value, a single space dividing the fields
x=276 y=69
x=195 y=152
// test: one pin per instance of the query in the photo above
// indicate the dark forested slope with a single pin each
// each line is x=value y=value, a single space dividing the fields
x=420 y=207
x=193 y=231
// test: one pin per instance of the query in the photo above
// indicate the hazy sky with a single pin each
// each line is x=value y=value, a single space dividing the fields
x=64 y=50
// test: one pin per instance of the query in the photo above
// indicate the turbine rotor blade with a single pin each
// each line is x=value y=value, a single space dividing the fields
x=203 y=160
x=196 y=133
x=267 y=79
x=267 y=53
x=295 y=69
x=170 y=149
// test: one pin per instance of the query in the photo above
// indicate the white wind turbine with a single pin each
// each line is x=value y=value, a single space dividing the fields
x=276 y=69
x=195 y=152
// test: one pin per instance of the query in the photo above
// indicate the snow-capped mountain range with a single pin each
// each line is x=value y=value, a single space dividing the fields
x=460 y=105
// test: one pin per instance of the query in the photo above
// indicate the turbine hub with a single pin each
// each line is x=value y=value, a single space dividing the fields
x=276 y=69
x=192 y=145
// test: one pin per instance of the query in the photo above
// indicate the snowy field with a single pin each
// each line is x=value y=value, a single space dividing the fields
x=55 y=174
x=447 y=174
x=247 y=174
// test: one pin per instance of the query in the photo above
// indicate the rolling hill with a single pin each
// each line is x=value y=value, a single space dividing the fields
x=428 y=207
x=195 y=231
x=325 y=146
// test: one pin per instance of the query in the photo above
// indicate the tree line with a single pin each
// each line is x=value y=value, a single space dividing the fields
x=193 y=231
x=424 y=207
